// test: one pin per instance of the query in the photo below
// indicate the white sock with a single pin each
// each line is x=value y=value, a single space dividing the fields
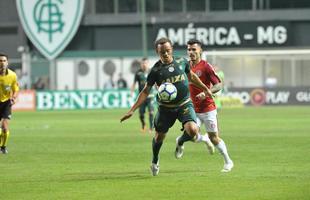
x=202 y=138
x=223 y=150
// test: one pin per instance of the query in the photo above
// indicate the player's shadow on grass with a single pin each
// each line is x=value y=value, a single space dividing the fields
x=107 y=176
x=185 y=171
x=133 y=175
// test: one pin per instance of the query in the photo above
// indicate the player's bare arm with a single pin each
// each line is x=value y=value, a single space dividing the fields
x=214 y=89
x=14 y=98
x=197 y=82
x=141 y=98
x=14 y=93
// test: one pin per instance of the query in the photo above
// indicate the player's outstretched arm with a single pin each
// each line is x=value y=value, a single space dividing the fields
x=141 y=98
x=126 y=116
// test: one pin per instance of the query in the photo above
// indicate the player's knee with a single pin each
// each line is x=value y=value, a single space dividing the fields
x=4 y=130
x=192 y=130
x=159 y=137
x=214 y=138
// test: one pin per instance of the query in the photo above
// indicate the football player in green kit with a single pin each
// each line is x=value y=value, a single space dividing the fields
x=140 y=78
x=176 y=71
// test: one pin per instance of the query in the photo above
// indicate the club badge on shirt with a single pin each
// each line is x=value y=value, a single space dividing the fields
x=198 y=73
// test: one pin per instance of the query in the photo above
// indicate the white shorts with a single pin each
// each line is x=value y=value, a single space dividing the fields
x=209 y=119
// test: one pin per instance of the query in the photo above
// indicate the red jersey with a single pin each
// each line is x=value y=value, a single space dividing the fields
x=207 y=75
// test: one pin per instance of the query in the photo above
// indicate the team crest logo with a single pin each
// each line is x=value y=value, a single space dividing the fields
x=50 y=24
x=198 y=73
x=171 y=69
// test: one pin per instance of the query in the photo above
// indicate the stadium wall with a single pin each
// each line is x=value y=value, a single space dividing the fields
x=104 y=44
x=118 y=37
x=114 y=98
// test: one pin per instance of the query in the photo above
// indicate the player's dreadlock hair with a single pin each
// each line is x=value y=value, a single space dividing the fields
x=162 y=41
x=194 y=41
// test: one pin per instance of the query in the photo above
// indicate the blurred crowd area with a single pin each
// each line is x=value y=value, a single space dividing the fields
x=40 y=82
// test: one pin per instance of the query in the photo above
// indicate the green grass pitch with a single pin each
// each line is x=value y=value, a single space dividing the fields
x=90 y=155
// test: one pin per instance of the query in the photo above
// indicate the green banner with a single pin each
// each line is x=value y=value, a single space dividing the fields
x=97 y=99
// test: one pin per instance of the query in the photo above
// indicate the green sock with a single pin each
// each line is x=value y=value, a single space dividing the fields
x=184 y=138
x=156 y=148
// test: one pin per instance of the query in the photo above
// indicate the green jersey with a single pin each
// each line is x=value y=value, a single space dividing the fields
x=175 y=73
x=140 y=78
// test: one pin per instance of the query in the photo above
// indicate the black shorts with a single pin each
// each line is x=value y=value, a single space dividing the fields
x=5 y=109
x=166 y=117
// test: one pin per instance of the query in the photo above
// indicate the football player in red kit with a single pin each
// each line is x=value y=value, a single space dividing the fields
x=205 y=107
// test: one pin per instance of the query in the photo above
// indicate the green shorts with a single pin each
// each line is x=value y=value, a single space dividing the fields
x=165 y=117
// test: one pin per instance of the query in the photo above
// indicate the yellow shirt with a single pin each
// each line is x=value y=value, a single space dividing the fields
x=8 y=85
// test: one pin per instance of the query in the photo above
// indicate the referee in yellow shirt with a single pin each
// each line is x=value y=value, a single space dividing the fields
x=8 y=95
